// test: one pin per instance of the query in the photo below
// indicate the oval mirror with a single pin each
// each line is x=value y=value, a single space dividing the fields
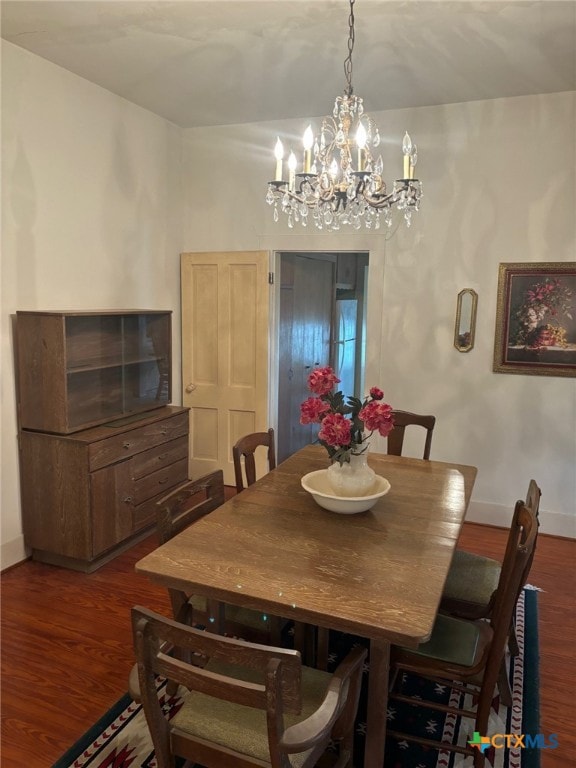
x=465 y=320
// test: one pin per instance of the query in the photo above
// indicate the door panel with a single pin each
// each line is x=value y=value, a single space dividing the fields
x=306 y=308
x=111 y=490
x=225 y=330
x=345 y=344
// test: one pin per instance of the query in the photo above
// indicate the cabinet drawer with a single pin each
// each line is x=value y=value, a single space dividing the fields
x=145 y=514
x=118 y=447
x=161 y=456
x=160 y=481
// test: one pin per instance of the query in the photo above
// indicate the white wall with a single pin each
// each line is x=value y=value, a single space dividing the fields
x=90 y=219
x=499 y=182
x=94 y=217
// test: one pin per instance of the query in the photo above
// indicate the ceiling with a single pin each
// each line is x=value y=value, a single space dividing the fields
x=234 y=61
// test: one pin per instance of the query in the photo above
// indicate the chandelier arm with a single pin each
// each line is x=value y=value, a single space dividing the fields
x=387 y=200
x=383 y=201
x=321 y=195
x=300 y=197
x=293 y=195
x=326 y=196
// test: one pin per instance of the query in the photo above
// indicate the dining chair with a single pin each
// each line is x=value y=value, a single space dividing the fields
x=403 y=419
x=467 y=655
x=470 y=589
x=243 y=454
x=243 y=704
x=179 y=509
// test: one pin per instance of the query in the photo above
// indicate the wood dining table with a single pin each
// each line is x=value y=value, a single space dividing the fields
x=378 y=574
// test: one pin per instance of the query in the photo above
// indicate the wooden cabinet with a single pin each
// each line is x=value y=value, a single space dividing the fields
x=99 y=444
x=87 y=495
x=79 y=369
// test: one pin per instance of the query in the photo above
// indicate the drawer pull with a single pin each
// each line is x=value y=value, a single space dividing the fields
x=127 y=500
x=162 y=457
x=163 y=431
x=164 y=480
x=126 y=445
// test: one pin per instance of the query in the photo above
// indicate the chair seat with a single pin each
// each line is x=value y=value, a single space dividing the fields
x=471 y=582
x=452 y=641
x=241 y=728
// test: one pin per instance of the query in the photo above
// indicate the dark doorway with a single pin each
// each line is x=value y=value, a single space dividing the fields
x=322 y=322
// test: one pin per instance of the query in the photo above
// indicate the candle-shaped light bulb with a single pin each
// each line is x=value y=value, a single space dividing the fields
x=361 y=137
x=278 y=154
x=292 y=171
x=407 y=149
x=308 y=141
x=413 y=159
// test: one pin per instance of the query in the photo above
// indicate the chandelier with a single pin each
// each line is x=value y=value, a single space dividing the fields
x=341 y=181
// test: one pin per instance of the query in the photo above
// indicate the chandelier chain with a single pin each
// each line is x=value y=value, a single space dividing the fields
x=348 y=61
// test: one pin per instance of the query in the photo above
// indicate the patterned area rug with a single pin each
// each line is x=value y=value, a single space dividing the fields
x=120 y=739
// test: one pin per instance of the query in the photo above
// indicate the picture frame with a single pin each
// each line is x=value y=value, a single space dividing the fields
x=465 y=326
x=536 y=319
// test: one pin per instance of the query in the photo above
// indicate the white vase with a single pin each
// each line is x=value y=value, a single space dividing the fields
x=354 y=478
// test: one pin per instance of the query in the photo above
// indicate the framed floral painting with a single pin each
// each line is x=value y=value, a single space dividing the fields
x=536 y=319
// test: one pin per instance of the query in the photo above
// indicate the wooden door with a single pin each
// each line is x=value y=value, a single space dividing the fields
x=225 y=331
x=307 y=294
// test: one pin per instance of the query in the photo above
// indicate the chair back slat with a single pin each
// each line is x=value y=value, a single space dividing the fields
x=188 y=503
x=521 y=544
x=154 y=633
x=403 y=419
x=243 y=454
x=515 y=567
x=532 y=503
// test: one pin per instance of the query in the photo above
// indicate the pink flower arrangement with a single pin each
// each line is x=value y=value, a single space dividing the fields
x=344 y=421
x=544 y=305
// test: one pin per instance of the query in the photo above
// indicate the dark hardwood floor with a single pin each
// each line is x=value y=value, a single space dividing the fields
x=66 y=646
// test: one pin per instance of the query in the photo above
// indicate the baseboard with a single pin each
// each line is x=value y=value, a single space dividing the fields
x=551 y=523
x=12 y=553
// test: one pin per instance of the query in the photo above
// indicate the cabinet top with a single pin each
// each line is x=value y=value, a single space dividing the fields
x=92 y=312
x=113 y=427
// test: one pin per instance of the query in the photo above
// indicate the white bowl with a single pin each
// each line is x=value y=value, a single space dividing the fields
x=317 y=485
